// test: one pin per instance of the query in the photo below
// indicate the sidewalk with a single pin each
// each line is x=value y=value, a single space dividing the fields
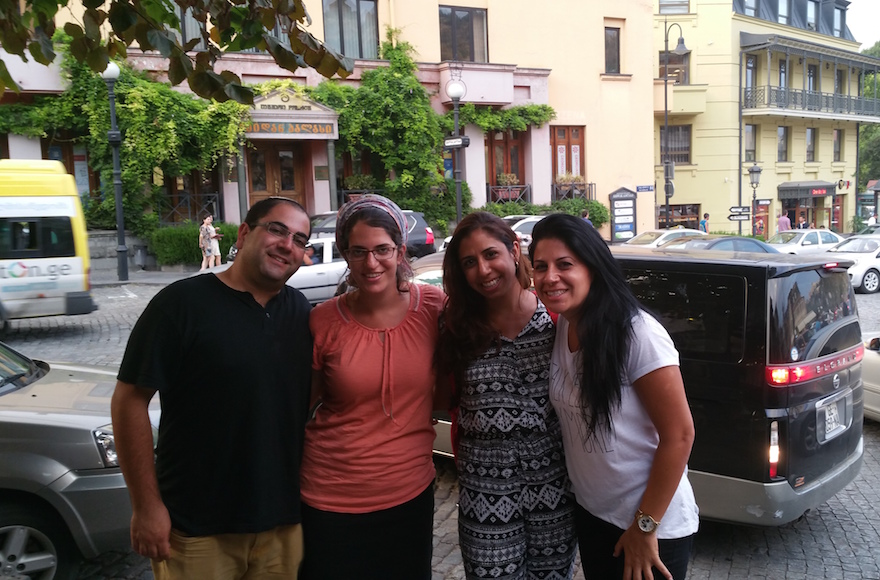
x=103 y=278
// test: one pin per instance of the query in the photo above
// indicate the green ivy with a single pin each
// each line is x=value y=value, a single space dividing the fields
x=599 y=214
x=518 y=118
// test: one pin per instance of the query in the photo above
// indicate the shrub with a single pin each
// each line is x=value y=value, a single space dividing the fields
x=599 y=214
x=180 y=244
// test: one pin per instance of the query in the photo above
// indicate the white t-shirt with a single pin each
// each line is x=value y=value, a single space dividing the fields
x=609 y=472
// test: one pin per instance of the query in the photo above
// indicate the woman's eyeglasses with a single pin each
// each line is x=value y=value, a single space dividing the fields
x=380 y=253
x=280 y=231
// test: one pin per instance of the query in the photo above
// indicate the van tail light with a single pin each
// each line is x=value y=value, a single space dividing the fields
x=429 y=235
x=773 y=449
x=785 y=375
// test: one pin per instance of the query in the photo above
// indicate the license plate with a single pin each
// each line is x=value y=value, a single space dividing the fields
x=832 y=418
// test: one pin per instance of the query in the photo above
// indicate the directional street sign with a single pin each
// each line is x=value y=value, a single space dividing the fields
x=740 y=209
x=456 y=142
x=739 y=217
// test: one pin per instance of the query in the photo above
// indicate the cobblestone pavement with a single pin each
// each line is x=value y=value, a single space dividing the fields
x=838 y=540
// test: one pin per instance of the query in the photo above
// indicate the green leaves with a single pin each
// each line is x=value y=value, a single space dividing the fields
x=155 y=24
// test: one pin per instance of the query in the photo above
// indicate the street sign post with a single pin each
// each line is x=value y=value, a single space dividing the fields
x=739 y=217
x=740 y=209
x=456 y=142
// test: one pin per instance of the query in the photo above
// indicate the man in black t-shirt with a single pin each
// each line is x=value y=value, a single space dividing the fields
x=230 y=356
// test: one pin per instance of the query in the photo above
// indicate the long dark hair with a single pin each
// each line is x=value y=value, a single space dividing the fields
x=376 y=218
x=604 y=320
x=466 y=332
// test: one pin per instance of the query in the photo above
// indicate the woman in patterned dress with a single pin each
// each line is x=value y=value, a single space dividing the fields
x=516 y=512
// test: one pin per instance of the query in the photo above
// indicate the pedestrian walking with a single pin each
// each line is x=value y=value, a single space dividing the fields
x=782 y=222
x=626 y=424
x=585 y=215
x=209 y=244
x=214 y=504
x=704 y=223
x=516 y=509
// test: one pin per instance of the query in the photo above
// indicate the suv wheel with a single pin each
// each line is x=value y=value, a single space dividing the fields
x=35 y=545
x=871 y=282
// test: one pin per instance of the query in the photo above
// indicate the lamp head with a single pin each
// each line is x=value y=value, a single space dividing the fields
x=680 y=49
x=754 y=175
x=111 y=73
x=456 y=89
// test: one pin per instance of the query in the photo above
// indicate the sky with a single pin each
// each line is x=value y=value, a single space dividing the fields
x=863 y=19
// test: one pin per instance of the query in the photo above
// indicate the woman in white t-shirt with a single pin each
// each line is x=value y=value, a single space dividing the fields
x=626 y=425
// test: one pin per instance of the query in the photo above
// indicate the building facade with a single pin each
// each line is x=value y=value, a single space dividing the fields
x=777 y=84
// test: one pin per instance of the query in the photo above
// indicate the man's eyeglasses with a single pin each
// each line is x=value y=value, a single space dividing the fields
x=380 y=253
x=279 y=230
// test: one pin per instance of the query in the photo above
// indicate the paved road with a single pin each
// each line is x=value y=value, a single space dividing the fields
x=839 y=540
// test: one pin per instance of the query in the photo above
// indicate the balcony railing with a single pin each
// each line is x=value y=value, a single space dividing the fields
x=579 y=190
x=502 y=193
x=767 y=97
x=184 y=206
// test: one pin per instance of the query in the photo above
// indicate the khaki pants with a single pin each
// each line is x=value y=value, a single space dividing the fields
x=274 y=553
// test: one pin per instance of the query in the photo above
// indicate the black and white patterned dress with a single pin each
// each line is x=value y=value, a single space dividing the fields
x=516 y=510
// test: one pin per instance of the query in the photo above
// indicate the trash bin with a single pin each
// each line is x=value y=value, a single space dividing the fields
x=140 y=256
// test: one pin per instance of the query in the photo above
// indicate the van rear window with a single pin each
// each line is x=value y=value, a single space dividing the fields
x=704 y=314
x=37 y=237
x=812 y=314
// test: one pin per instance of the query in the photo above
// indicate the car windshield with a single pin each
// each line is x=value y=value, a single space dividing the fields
x=856 y=245
x=645 y=238
x=526 y=228
x=324 y=221
x=788 y=237
x=16 y=370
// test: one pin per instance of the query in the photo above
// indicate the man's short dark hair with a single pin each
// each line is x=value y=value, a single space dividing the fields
x=705 y=216
x=259 y=210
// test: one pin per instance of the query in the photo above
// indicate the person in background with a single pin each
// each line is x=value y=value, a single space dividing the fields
x=208 y=243
x=214 y=504
x=586 y=216
x=782 y=222
x=368 y=471
x=704 y=223
x=309 y=256
x=872 y=221
x=802 y=223
x=516 y=510
x=626 y=424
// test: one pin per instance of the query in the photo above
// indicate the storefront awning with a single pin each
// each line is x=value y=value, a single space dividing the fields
x=806 y=189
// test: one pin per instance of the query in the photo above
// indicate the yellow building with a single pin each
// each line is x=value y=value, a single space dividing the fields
x=776 y=84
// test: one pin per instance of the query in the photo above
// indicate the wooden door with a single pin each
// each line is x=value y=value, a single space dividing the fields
x=276 y=169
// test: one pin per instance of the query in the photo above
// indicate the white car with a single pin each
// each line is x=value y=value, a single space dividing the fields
x=319 y=281
x=522 y=226
x=864 y=251
x=656 y=238
x=871 y=375
x=804 y=241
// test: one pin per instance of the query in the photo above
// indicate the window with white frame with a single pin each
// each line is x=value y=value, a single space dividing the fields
x=751 y=7
x=679 y=143
x=783 y=11
x=352 y=27
x=838 y=22
x=782 y=143
x=463 y=34
x=812 y=143
x=837 y=136
x=674 y=7
x=812 y=14
x=750 y=138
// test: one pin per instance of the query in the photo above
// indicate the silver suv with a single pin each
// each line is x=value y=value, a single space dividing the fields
x=62 y=495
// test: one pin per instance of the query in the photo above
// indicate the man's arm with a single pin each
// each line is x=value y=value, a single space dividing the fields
x=150 y=522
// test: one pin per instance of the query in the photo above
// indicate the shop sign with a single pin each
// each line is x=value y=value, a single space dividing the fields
x=292 y=128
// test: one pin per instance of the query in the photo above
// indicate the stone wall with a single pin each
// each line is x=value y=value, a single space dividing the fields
x=102 y=250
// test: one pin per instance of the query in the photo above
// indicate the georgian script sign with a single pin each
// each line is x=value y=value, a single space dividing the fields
x=292 y=128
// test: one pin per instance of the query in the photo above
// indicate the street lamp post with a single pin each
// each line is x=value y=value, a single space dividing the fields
x=754 y=180
x=114 y=136
x=456 y=89
x=669 y=166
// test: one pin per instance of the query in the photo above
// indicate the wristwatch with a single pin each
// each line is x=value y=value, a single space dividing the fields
x=646 y=523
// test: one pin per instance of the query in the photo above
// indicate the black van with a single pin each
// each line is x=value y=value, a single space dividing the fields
x=771 y=356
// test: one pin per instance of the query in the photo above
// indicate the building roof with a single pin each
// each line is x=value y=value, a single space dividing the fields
x=752 y=42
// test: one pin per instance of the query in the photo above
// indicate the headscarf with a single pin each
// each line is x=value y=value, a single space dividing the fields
x=347 y=211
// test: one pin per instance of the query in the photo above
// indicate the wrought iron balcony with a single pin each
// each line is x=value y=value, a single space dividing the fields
x=577 y=190
x=770 y=97
x=184 y=206
x=503 y=193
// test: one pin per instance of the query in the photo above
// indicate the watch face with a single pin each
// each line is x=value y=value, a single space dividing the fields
x=646 y=524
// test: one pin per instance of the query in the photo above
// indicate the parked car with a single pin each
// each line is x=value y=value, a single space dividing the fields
x=771 y=355
x=656 y=238
x=719 y=243
x=522 y=226
x=864 y=252
x=804 y=241
x=420 y=235
x=871 y=375
x=319 y=281
x=62 y=494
